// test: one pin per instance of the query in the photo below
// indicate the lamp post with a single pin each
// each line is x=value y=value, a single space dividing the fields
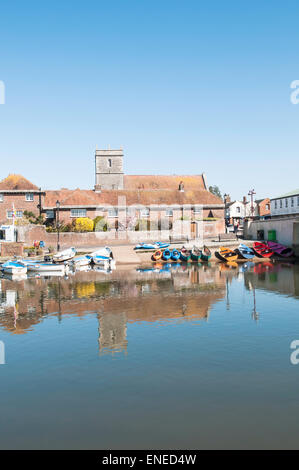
x=57 y=223
x=251 y=194
x=225 y=210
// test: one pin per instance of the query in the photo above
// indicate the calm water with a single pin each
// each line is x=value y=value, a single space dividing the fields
x=195 y=358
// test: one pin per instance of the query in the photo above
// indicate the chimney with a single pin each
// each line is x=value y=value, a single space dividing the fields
x=226 y=198
x=181 y=186
x=244 y=200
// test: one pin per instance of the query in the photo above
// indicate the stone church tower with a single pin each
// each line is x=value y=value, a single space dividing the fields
x=109 y=169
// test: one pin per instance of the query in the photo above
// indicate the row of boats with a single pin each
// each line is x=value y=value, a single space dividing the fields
x=61 y=262
x=261 y=250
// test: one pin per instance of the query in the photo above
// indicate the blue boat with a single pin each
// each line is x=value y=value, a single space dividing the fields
x=166 y=254
x=175 y=254
x=245 y=251
x=151 y=246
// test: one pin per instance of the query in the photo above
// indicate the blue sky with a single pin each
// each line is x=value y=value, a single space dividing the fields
x=183 y=87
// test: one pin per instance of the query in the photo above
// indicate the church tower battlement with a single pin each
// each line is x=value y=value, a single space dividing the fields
x=109 y=169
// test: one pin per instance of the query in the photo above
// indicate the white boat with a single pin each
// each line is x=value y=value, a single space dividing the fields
x=14 y=267
x=48 y=268
x=64 y=255
x=83 y=260
x=102 y=256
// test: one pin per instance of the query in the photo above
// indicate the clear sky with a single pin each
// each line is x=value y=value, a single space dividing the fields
x=183 y=87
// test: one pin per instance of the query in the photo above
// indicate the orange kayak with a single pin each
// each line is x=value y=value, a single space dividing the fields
x=225 y=254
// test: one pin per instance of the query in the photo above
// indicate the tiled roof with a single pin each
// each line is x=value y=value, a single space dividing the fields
x=17 y=183
x=89 y=198
x=163 y=181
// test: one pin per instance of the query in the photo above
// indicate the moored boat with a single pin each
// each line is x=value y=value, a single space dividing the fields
x=157 y=255
x=262 y=250
x=185 y=254
x=175 y=254
x=48 y=267
x=196 y=254
x=64 y=255
x=280 y=250
x=245 y=251
x=83 y=260
x=151 y=246
x=205 y=254
x=225 y=254
x=102 y=256
x=14 y=267
x=166 y=254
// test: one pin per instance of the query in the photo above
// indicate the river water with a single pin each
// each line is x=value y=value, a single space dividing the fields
x=176 y=357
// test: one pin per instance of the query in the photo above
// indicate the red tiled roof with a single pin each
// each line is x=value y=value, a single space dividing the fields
x=163 y=181
x=89 y=198
x=17 y=183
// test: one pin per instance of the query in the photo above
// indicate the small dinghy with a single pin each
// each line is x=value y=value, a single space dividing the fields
x=102 y=256
x=14 y=267
x=48 y=268
x=185 y=254
x=205 y=254
x=157 y=255
x=225 y=254
x=262 y=250
x=245 y=251
x=195 y=254
x=166 y=254
x=64 y=255
x=80 y=261
x=151 y=246
x=175 y=254
x=281 y=250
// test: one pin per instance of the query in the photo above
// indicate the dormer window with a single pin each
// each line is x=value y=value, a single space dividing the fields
x=181 y=186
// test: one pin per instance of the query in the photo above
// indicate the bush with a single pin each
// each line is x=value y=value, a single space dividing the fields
x=100 y=224
x=84 y=224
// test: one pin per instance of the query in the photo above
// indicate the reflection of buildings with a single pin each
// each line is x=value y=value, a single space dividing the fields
x=120 y=299
x=112 y=332
x=282 y=278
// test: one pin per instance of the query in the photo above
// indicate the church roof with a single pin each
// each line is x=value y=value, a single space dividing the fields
x=17 y=183
x=163 y=181
x=89 y=198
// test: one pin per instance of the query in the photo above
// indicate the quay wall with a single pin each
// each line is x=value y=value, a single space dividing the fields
x=206 y=229
x=287 y=230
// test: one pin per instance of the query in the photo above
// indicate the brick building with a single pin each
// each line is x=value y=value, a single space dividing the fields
x=115 y=194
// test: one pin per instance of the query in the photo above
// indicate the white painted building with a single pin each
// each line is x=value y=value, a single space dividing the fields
x=238 y=210
x=287 y=204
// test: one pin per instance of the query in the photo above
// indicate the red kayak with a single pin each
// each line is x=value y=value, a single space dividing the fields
x=262 y=250
x=281 y=250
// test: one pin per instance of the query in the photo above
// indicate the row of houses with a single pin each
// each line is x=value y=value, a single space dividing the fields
x=170 y=197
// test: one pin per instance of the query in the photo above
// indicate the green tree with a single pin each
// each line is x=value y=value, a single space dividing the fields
x=216 y=191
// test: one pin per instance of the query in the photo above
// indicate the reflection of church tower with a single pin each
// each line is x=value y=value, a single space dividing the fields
x=112 y=332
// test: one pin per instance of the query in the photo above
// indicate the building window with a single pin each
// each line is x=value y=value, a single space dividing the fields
x=50 y=214
x=78 y=212
x=268 y=207
x=113 y=212
x=275 y=204
x=280 y=203
x=18 y=214
x=29 y=197
x=197 y=209
x=109 y=162
x=238 y=210
x=145 y=212
x=169 y=212
x=292 y=202
x=297 y=200
x=1 y=198
x=286 y=202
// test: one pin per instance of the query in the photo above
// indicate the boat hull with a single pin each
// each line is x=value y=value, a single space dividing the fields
x=262 y=250
x=206 y=254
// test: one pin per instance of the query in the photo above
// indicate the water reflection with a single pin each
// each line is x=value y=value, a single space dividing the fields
x=169 y=292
